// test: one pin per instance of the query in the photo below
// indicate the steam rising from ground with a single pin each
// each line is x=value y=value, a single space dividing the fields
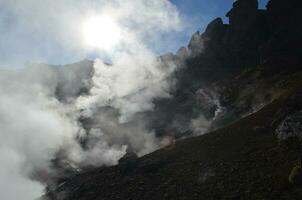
x=129 y=86
x=40 y=105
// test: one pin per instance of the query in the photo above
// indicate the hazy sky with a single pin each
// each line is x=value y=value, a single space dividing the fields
x=24 y=37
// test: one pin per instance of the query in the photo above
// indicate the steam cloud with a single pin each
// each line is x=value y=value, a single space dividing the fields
x=41 y=105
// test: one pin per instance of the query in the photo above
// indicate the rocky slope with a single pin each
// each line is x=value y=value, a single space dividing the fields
x=240 y=83
x=232 y=60
x=245 y=160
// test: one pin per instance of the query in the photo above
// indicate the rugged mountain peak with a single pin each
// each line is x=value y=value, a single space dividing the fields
x=243 y=13
x=244 y=5
x=253 y=4
x=215 y=29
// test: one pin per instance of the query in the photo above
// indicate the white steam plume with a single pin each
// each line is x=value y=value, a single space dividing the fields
x=51 y=30
x=36 y=125
x=33 y=127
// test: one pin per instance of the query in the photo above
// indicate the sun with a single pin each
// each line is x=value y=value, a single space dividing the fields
x=101 y=32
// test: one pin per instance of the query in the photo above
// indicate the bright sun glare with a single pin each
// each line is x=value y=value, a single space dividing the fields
x=101 y=32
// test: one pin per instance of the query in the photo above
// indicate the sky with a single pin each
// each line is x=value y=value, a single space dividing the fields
x=24 y=39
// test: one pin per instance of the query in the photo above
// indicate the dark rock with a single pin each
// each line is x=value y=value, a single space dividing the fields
x=290 y=127
x=152 y=166
x=295 y=177
x=215 y=30
x=128 y=162
x=243 y=14
x=128 y=157
x=206 y=176
x=285 y=29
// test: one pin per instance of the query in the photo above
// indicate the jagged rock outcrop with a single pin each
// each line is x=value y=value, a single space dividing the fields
x=254 y=37
x=215 y=30
x=228 y=48
x=243 y=14
x=218 y=53
x=290 y=127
